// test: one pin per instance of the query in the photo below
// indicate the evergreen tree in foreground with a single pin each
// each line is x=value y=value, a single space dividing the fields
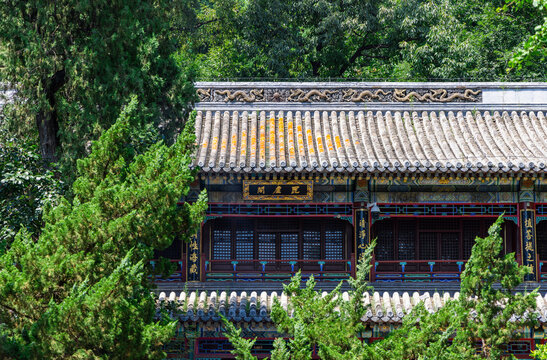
x=487 y=315
x=476 y=325
x=80 y=291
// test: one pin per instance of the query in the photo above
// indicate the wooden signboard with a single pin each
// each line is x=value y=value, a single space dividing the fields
x=277 y=189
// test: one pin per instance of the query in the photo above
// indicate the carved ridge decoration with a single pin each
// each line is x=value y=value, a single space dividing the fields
x=355 y=96
x=240 y=95
x=204 y=94
x=303 y=96
x=342 y=95
x=436 y=95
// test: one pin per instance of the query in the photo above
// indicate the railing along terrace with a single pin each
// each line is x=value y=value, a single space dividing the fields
x=177 y=273
x=417 y=270
x=277 y=270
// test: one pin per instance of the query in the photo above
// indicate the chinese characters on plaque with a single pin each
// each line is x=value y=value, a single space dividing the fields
x=362 y=233
x=277 y=189
x=193 y=259
x=528 y=233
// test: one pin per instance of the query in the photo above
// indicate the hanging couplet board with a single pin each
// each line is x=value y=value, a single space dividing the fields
x=193 y=265
x=362 y=233
x=528 y=236
x=277 y=189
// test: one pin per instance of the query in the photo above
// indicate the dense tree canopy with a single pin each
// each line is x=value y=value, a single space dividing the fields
x=74 y=63
x=80 y=290
x=27 y=185
x=534 y=47
x=387 y=39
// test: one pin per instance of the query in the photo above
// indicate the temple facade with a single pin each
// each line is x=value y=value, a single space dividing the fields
x=301 y=176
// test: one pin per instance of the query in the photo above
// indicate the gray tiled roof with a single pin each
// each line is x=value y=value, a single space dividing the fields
x=252 y=306
x=360 y=141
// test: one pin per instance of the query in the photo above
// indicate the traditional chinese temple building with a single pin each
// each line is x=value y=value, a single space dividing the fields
x=300 y=176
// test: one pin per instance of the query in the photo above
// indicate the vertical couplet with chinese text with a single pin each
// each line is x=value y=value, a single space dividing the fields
x=362 y=234
x=528 y=236
x=193 y=259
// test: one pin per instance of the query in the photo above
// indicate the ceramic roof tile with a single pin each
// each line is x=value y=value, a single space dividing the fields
x=381 y=141
x=244 y=306
x=262 y=141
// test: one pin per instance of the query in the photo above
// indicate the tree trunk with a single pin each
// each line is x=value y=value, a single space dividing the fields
x=48 y=127
x=47 y=122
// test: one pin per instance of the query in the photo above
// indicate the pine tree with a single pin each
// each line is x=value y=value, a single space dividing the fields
x=486 y=316
x=81 y=291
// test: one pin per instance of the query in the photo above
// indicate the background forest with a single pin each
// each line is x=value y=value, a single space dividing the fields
x=96 y=131
x=412 y=40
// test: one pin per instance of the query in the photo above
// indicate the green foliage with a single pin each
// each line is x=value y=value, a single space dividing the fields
x=540 y=353
x=492 y=315
x=27 y=185
x=75 y=63
x=387 y=39
x=331 y=323
x=80 y=291
x=477 y=44
x=476 y=325
x=534 y=48
x=242 y=347
x=487 y=314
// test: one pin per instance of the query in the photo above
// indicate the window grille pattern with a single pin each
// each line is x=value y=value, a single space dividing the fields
x=289 y=246
x=278 y=239
x=244 y=244
x=384 y=247
x=428 y=246
x=450 y=246
x=311 y=245
x=334 y=244
x=407 y=240
x=222 y=244
x=266 y=246
x=431 y=239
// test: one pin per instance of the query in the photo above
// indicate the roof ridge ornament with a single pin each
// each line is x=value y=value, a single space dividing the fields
x=342 y=94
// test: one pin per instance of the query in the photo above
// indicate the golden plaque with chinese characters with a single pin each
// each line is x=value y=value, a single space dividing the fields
x=277 y=189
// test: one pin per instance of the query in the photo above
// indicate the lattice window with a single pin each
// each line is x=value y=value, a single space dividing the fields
x=222 y=244
x=384 y=247
x=428 y=246
x=471 y=229
x=266 y=246
x=450 y=246
x=407 y=240
x=541 y=238
x=283 y=239
x=289 y=246
x=311 y=245
x=334 y=244
x=244 y=243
